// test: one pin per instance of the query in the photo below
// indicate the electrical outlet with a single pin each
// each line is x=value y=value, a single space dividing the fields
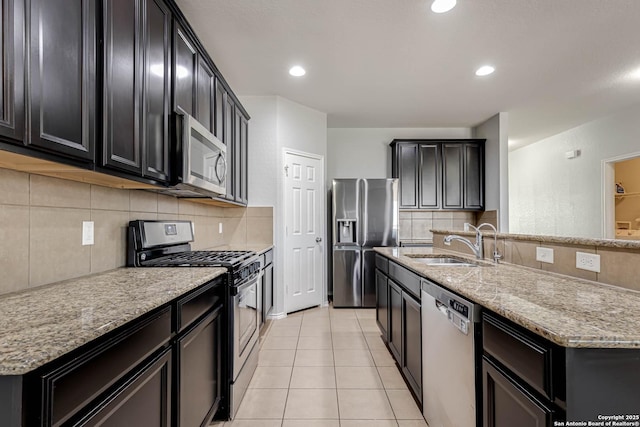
x=219 y=228
x=544 y=255
x=589 y=262
x=87 y=233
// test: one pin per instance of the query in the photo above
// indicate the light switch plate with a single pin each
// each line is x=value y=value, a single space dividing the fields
x=589 y=262
x=219 y=228
x=87 y=233
x=544 y=255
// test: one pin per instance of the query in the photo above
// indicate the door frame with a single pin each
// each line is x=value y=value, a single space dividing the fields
x=323 y=224
x=608 y=228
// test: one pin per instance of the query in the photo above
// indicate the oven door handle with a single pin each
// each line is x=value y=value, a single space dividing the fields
x=252 y=280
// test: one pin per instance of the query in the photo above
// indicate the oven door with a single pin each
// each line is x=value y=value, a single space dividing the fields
x=245 y=322
x=204 y=158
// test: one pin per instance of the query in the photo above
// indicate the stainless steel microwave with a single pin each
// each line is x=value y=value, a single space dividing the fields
x=202 y=168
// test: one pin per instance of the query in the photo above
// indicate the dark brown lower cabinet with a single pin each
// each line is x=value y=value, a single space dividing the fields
x=199 y=354
x=506 y=404
x=382 y=304
x=150 y=388
x=412 y=343
x=395 y=320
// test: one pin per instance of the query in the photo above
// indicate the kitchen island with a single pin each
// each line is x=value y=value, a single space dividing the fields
x=576 y=343
x=72 y=350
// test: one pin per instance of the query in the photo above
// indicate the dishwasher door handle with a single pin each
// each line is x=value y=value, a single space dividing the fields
x=442 y=308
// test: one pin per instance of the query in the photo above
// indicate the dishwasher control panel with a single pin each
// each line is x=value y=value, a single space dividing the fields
x=458 y=321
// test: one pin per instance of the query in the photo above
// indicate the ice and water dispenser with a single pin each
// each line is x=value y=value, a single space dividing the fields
x=346 y=231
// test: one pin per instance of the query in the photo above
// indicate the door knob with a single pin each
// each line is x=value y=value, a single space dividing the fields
x=318 y=239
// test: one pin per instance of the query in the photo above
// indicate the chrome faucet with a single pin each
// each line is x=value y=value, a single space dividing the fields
x=477 y=247
x=496 y=254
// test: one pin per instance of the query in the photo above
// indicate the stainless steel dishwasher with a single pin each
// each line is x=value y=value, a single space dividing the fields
x=449 y=326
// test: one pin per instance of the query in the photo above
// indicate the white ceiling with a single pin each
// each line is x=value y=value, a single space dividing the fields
x=394 y=63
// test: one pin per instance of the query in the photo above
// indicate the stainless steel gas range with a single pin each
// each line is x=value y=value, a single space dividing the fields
x=167 y=244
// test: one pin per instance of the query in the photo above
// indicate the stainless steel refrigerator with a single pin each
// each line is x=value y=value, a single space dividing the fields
x=365 y=215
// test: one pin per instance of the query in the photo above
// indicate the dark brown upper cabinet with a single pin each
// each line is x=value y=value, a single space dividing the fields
x=184 y=75
x=439 y=174
x=61 y=76
x=12 y=107
x=137 y=62
x=205 y=93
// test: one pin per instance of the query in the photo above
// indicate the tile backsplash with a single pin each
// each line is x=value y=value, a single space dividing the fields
x=415 y=226
x=41 y=226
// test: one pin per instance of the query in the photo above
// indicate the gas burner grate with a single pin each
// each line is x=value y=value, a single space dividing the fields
x=201 y=259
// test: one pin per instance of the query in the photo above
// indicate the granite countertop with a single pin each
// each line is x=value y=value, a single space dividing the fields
x=42 y=324
x=584 y=241
x=568 y=311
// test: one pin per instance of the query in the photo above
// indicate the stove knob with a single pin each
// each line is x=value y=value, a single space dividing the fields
x=143 y=257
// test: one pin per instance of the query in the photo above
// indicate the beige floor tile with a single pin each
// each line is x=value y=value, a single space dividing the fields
x=383 y=358
x=391 y=378
x=289 y=321
x=314 y=358
x=271 y=377
x=374 y=341
x=284 y=331
x=343 y=313
x=353 y=358
x=358 y=377
x=412 y=423
x=311 y=404
x=276 y=357
x=369 y=325
x=253 y=423
x=404 y=407
x=263 y=404
x=313 y=377
x=368 y=423
x=311 y=423
x=349 y=341
x=367 y=313
x=314 y=331
x=311 y=321
x=322 y=342
x=364 y=405
x=280 y=343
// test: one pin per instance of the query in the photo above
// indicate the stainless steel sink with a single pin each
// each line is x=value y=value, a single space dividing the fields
x=443 y=260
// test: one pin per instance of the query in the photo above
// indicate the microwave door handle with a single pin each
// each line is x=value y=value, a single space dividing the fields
x=224 y=168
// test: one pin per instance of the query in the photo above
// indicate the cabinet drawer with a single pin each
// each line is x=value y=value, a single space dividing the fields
x=75 y=384
x=198 y=303
x=382 y=264
x=528 y=358
x=407 y=280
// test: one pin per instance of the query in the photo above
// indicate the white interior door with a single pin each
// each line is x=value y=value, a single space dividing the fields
x=304 y=230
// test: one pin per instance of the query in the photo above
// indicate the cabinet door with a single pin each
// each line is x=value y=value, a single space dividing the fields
x=412 y=343
x=395 y=321
x=62 y=40
x=184 y=71
x=407 y=171
x=382 y=303
x=429 y=176
x=244 y=160
x=12 y=69
x=505 y=404
x=204 y=95
x=452 y=195
x=219 y=116
x=473 y=176
x=237 y=157
x=122 y=85
x=199 y=357
x=157 y=90
x=229 y=140
x=144 y=400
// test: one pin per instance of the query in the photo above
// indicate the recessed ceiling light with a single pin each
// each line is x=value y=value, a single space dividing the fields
x=635 y=74
x=297 y=71
x=442 y=6
x=485 y=70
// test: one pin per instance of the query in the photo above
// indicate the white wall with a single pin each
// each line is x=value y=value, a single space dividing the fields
x=495 y=131
x=277 y=123
x=550 y=194
x=365 y=152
